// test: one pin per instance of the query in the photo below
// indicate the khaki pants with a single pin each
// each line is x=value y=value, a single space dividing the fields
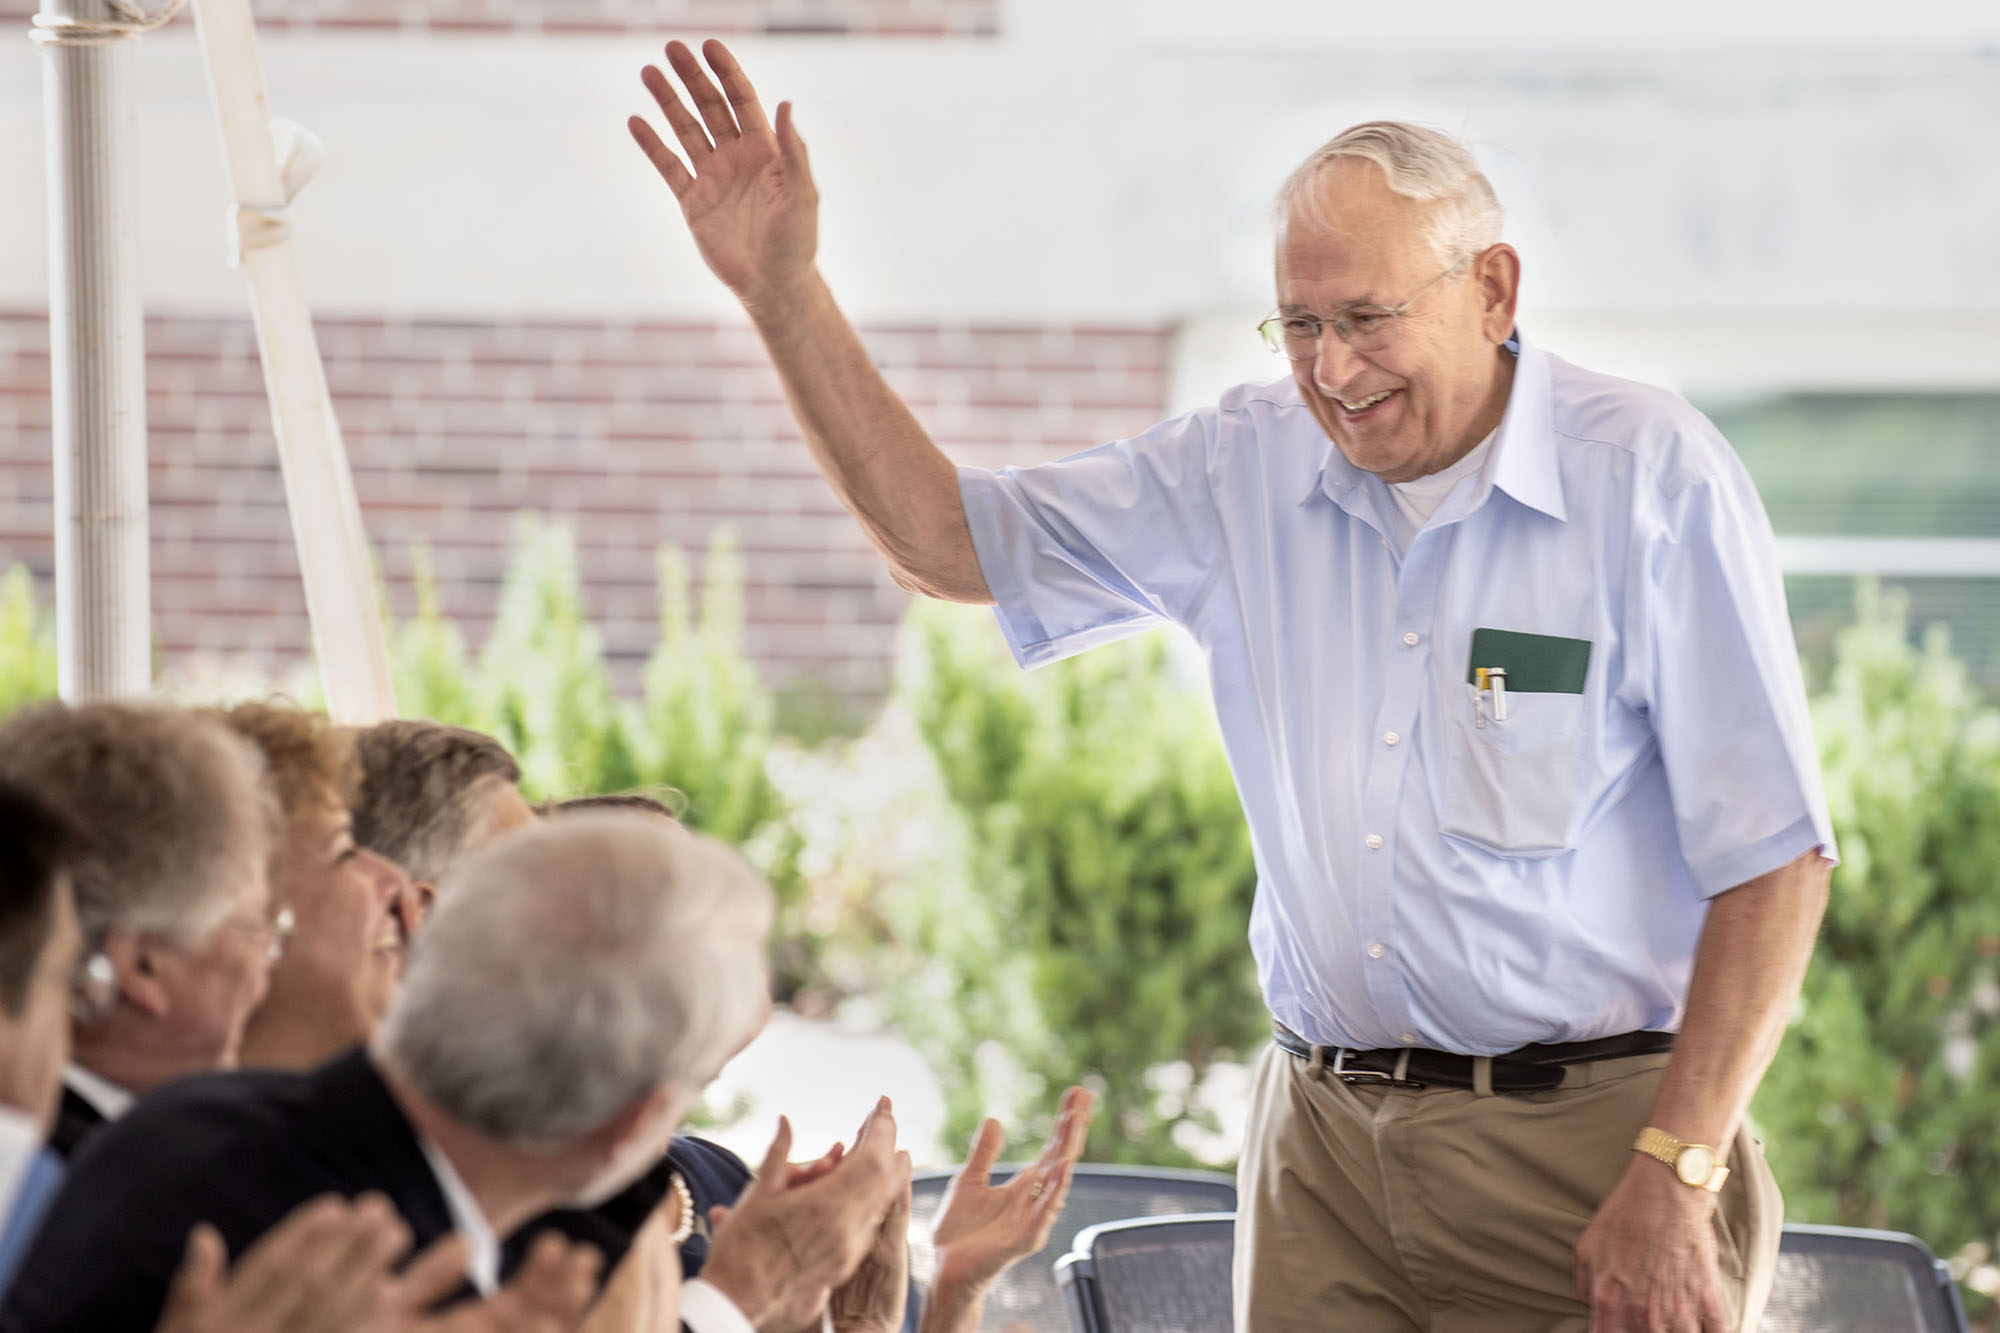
x=1369 y=1209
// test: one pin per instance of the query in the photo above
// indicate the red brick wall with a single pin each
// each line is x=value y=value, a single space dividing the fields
x=705 y=18
x=640 y=434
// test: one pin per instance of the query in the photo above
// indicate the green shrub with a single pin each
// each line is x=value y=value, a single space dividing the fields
x=1112 y=879
x=27 y=643
x=1880 y=1106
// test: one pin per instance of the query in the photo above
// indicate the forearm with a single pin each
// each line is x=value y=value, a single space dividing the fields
x=879 y=460
x=953 y=1307
x=1748 y=967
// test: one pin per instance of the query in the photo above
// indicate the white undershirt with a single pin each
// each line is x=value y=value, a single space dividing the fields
x=1417 y=500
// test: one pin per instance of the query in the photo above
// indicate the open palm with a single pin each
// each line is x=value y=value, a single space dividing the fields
x=983 y=1228
x=745 y=189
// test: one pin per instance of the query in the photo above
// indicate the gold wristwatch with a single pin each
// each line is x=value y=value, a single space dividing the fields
x=1693 y=1163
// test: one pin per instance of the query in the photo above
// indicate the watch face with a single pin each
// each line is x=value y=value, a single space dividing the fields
x=1695 y=1164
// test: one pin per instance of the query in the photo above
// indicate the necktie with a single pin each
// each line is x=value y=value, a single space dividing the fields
x=39 y=1184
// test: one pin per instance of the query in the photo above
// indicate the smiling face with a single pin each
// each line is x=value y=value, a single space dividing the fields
x=1423 y=401
x=345 y=957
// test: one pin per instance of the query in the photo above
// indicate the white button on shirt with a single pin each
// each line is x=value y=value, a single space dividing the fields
x=1551 y=872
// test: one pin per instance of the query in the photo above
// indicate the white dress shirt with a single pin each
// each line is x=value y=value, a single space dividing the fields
x=110 y=1100
x=1427 y=875
x=482 y=1246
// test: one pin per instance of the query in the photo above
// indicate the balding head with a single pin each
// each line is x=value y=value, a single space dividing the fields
x=575 y=967
x=1449 y=202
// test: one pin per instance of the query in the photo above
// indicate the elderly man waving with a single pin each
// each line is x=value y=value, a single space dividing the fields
x=1500 y=652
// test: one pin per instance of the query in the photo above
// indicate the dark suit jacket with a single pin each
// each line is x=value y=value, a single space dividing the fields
x=239 y=1150
x=714 y=1175
x=76 y=1120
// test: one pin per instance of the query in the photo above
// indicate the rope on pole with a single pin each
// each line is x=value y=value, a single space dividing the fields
x=269 y=163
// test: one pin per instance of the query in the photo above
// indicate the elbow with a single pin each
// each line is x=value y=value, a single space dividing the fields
x=942 y=585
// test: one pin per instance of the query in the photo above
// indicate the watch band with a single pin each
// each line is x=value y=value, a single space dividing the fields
x=1693 y=1164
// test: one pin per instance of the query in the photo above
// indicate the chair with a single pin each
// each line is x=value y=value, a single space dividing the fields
x=1151 y=1275
x=1027 y=1294
x=1840 y=1280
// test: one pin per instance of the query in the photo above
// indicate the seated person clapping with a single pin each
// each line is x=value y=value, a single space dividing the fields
x=171 y=891
x=577 y=986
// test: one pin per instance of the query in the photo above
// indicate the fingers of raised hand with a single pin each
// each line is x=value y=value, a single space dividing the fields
x=714 y=107
x=693 y=138
x=736 y=87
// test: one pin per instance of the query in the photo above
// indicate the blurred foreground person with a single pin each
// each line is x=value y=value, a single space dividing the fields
x=172 y=892
x=345 y=956
x=318 y=1272
x=39 y=947
x=1499 y=651
x=430 y=793
x=578 y=985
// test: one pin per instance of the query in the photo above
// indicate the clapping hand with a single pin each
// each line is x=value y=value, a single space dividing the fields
x=983 y=1228
x=321 y=1270
x=800 y=1233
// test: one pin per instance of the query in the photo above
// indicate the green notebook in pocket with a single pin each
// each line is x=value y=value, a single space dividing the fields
x=1535 y=663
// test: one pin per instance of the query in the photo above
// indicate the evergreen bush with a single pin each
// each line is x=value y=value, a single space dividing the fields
x=1113 y=875
x=1880 y=1106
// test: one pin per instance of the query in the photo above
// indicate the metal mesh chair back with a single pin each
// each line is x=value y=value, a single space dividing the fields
x=1162 y=1275
x=1026 y=1296
x=1837 y=1280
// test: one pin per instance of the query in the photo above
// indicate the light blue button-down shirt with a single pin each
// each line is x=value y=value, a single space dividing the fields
x=1423 y=880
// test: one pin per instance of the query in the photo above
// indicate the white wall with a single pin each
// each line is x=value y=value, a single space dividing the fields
x=1702 y=195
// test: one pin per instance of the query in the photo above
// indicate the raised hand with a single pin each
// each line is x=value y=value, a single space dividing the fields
x=321 y=1270
x=983 y=1228
x=745 y=190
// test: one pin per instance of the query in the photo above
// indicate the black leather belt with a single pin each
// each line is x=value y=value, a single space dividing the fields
x=1529 y=1069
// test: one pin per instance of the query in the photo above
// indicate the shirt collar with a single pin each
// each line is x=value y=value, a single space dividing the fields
x=107 y=1098
x=482 y=1247
x=1523 y=461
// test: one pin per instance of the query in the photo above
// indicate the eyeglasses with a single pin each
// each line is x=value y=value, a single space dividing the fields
x=1365 y=328
x=279 y=928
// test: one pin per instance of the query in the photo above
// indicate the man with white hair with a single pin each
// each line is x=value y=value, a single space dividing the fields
x=1500 y=653
x=172 y=892
x=578 y=985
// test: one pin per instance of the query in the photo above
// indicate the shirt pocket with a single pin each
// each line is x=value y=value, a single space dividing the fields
x=1510 y=787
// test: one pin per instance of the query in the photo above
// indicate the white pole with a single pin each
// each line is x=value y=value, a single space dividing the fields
x=97 y=359
x=334 y=558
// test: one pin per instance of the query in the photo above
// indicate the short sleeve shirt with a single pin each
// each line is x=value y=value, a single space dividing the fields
x=1430 y=874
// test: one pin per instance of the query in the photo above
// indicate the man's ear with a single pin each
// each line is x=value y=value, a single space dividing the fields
x=1498 y=270
x=142 y=963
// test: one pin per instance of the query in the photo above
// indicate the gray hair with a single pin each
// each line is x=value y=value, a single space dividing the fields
x=423 y=798
x=575 y=966
x=172 y=805
x=1426 y=165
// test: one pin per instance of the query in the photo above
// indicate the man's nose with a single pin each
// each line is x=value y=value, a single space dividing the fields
x=1334 y=362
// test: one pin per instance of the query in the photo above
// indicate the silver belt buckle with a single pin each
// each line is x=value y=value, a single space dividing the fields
x=1345 y=1075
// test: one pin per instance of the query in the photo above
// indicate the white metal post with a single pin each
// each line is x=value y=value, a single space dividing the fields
x=97 y=361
